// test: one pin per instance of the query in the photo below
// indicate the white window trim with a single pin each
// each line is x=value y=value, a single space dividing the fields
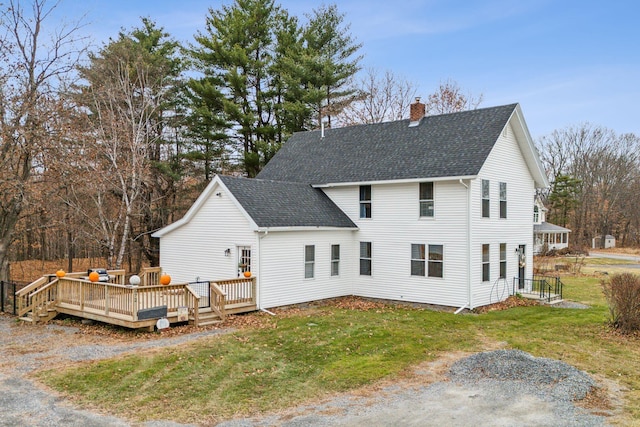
x=488 y=262
x=312 y=263
x=502 y=260
x=482 y=198
x=362 y=202
x=432 y=200
x=334 y=261
x=360 y=257
x=500 y=200
x=441 y=262
x=422 y=260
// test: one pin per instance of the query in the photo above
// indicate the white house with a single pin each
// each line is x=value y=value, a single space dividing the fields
x=545 y=234
x=432 y=209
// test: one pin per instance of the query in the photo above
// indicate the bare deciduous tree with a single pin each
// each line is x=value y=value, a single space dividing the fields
x=449 y=98
x=383 y=97
x=33 y=65
x=606 y=166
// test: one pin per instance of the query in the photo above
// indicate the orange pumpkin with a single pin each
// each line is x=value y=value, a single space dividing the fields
x=165 y=279
x=247 y=274
x=94 y=276
x=60 y=273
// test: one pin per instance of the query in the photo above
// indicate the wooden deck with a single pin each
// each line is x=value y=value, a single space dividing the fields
x=114 y=302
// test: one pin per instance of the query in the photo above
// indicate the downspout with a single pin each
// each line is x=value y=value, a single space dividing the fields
x=468 y=304
x=259 y=285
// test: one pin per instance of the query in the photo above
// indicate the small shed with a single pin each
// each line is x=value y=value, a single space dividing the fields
x=605 y=242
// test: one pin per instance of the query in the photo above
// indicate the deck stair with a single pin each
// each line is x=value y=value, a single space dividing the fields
x=207 y=318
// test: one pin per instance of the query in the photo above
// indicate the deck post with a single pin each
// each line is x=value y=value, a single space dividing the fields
x=81 y=296
x=106 y=300
x=134 y=308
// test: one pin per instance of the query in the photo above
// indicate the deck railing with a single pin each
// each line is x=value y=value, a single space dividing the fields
x=218 y=300
x=238 y=291
x=150 y=276
x=73 y=294
x=109 y=299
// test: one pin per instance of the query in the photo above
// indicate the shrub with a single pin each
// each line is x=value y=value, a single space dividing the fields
x=623 y=296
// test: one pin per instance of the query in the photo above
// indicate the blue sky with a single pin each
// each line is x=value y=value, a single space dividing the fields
x=566 y=62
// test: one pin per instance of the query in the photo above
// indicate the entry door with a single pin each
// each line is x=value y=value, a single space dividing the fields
x=244 y=259
x=521 y=266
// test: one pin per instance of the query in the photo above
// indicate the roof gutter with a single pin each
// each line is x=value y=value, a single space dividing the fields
x=393 y=181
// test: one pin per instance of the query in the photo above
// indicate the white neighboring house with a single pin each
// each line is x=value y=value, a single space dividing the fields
x=432 y=209
x=545 y=233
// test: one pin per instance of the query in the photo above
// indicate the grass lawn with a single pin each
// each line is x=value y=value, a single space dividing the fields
x=293 y=358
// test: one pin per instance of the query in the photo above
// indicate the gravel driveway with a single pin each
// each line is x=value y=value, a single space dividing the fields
x=497 y=388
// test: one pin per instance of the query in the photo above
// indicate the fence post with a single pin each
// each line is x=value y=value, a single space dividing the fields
x=15 y=309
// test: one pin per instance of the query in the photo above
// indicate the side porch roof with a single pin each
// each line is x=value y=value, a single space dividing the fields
x=546 y=227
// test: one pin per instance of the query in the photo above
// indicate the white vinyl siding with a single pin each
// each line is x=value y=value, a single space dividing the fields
x=198 y=248
x=515 y=230
x=392 y=230
x=282 y=267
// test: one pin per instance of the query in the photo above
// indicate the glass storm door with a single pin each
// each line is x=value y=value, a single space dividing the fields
x=244 y=259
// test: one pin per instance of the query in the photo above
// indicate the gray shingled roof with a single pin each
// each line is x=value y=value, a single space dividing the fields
x=285 y=204
x=546 y=227
x=447 y=145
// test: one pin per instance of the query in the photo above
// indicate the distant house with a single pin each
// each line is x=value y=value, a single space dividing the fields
x=603 y=242
x=431 y=209
x=546 y=235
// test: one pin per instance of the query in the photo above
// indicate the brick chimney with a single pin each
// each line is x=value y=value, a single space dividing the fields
x=416 y=111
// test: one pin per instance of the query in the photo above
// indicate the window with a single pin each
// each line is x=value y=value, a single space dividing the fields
x=417 y=260
x=426 y=199
x=486 y=266
x=503 y=260
x=486 y=207
x=536 y=214
x=309 y=261
x=436 y=260
x=503 y=200
x=365 y=258
x=365 y=201
x=335 y=260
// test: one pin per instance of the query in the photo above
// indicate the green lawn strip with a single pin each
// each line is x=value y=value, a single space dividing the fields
x=329 y=350
x=298 y=359
x=608 y=261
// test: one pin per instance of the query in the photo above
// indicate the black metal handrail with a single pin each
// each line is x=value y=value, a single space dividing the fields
x=544 y=286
